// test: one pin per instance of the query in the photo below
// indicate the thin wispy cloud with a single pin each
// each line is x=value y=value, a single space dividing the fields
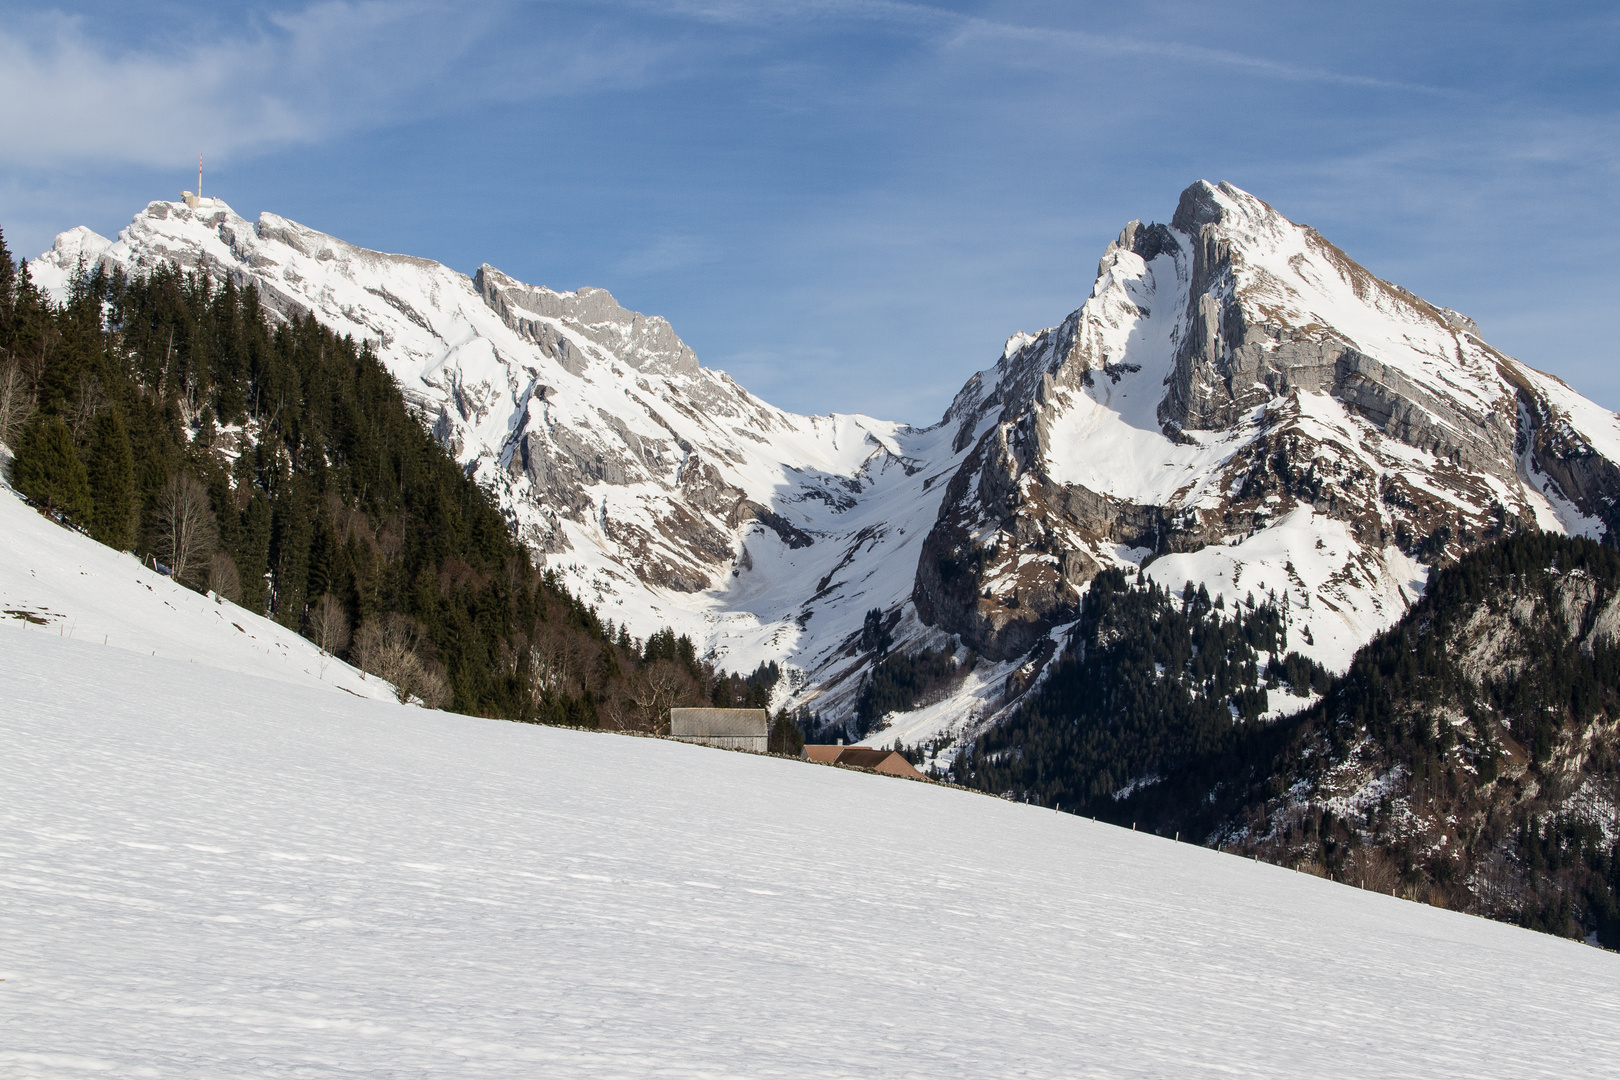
x=665 y=254
x=307 y=75
x=956 y=28
x=1079 y=41
x=881 y=188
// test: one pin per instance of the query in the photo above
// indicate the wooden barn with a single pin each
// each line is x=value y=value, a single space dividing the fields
x=732 y=729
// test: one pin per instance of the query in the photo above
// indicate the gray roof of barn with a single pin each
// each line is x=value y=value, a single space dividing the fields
x=718 y=722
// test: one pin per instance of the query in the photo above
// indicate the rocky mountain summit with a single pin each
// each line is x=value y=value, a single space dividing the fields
x=1237 y=404
x=1241 y=405
x=661 y=491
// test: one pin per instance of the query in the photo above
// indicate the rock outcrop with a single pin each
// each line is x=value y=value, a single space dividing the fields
x=1231 y=372
x=1237 y=404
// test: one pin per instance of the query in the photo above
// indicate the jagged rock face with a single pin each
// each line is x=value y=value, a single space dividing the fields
x=1234 y=372
x=1254 y=335
x=660 y=489
x=643 y=342
x=1445 y=783
x=1237 y=404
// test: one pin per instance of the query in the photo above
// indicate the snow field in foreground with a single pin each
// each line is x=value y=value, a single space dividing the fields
x=208 y=874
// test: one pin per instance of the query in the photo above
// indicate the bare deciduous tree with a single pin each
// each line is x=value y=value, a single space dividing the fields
x=617 y=711
x=223 y=578
x=16 y=400
x=558 y=661
x=329 y=623
x=185 y=526
x=656 y=688
x=89 y=401
x=1372 y=869
x=389 y=646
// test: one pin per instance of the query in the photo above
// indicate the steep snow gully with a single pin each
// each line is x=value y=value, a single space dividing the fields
x=1237 y=404
x=204 y=873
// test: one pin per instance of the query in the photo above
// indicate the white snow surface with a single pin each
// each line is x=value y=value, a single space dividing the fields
x=1104 y=432
x=1331 y=589
x=59 y=583
x=210 y=874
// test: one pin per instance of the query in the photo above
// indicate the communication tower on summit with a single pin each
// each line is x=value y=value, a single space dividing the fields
x=187 y=197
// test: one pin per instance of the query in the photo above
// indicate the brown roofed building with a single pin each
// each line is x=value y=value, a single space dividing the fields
x=888 y=762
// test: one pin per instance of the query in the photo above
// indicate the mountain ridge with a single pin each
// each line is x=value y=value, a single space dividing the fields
x=1237 y=403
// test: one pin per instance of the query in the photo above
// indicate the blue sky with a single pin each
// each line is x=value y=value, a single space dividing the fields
x=850 y=205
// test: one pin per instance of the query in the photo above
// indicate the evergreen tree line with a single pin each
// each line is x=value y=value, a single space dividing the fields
x=900 y=683
x=1151 y=682
x=1488 y=759
x=279 y=466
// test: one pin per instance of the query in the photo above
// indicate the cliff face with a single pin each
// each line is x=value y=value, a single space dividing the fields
x=661 y=491
x=1241 y=405
x=1237 y=404
x=1471 y=758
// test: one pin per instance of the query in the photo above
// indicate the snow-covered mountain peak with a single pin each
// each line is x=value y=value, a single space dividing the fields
x=1236 y=403
x=1227 y=206
x=79 y=246
x=1239 y=404
x=660 y=490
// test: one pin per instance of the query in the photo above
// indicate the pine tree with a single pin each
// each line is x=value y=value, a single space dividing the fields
x=16 y=394
x=252 y=550
x=290 y=537
x=112 y=482
x=48 y=469
x=8 y=295
x=31 y=334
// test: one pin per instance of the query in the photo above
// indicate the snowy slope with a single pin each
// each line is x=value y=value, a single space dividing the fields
x=1109 y=437
x=59 y=583
x=206 y=874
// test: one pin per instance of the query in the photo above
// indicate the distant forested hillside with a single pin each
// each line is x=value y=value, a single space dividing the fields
x=279 y=466
x=1151 y=682
x=1470 y=758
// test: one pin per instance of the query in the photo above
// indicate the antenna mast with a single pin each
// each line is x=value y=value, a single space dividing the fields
x=199 y=174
